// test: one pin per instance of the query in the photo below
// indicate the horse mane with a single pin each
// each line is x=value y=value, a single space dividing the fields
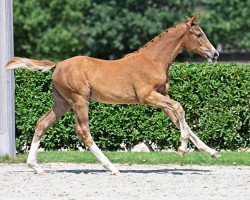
x=149 y=42
x=156 y=38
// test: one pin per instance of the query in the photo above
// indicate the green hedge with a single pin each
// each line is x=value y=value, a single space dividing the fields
x=214 y=96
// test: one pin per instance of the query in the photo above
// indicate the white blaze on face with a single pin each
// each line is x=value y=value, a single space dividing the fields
x=209 y=50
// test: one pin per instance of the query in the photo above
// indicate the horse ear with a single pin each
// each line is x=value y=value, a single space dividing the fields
x=195 y=18
x=192 y=20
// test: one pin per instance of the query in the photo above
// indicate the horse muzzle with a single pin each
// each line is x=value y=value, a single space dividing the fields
x=211 y=55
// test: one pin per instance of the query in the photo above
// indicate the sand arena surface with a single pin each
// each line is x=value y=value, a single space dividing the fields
x=90 y=181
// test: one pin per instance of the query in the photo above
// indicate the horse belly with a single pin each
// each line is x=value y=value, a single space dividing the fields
x=115 y=94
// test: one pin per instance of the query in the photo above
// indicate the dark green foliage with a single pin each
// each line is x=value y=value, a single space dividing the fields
x=59 y=29
x=214 y=96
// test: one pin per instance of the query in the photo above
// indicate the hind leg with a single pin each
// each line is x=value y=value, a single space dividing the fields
x=80 y=108
x=47 y=120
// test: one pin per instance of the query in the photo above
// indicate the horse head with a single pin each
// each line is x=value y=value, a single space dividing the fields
x=196 y=41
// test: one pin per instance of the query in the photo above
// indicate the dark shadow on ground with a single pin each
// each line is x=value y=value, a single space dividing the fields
x=135 y=171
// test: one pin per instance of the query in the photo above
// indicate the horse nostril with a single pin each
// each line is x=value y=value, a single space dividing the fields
x=216 y=55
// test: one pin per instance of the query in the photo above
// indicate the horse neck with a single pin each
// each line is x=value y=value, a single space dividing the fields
x=163 y=49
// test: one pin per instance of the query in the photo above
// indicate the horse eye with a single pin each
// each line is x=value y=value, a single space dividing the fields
x=199 y=35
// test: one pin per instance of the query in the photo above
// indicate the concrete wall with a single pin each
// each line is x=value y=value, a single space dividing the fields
x=7 y=90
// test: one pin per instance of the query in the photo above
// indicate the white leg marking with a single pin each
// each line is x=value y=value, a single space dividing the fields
x=187 y=133
x=31 y=161
x=104 y=160
x=201 y=145
x=184 y=137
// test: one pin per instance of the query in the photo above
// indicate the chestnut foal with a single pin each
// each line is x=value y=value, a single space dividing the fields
x=138 y=78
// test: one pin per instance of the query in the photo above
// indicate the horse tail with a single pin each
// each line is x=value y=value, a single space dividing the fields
x=29 y=64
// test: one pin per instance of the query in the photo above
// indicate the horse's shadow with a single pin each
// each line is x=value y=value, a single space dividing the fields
x=135 y=171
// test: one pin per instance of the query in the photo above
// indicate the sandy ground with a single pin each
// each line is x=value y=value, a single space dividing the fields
x=90 y=181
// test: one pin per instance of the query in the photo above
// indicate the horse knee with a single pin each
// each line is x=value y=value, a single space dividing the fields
x=179 y=110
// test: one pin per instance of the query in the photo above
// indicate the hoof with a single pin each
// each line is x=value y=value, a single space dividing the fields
x=40 y=171
x=37 y=168
x=30 y=165
x=116 y=173
x=181 y=152
x=215 y=155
